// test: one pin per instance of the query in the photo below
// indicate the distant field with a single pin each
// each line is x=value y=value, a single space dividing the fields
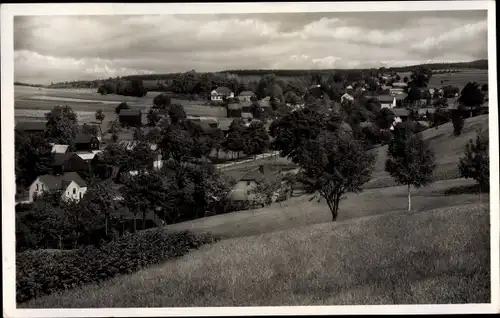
x=459 y=79
x=32 y=103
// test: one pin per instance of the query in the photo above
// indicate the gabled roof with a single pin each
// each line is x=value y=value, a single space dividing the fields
x=62 y=158
x=83 y=137
x=247 y=115
x=31 y=126
x=59 y=149
x=246 y=93
x=245 y=104
x=401 y=96
x=129 y=215
x=400 y=112
x=234 y=106
x=60 y=182
x=385 y=98
x=253 y=175
x=222 y=90
x=130 y=112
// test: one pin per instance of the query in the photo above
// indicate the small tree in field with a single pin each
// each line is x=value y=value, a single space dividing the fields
x=99 y=115
x=476 y=162
x=333 y=164
x=458 y=122
x=410 y=161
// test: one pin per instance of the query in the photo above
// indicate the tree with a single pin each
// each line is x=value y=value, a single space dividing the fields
x=33 y=158
x=121 y=106
x=414 y=95
x=440 y=117
x=410 y=161
x=138 y=89
x=153 y=118
x=458 y=122
x=62 y=126
x=476 y=161
x=292 y=131
x=421 y=76
x=450 y=91
x=99 y=115
x=335 y=163
x=154 y=135
x=176 y=113
x=471 y=96
x=385 y=118
x=138 y=134
x=255 y=139
x=146 y=193
x=162 y=101
x=234 y=138
x=484 y=88
x=406 y=79
x=291 y=98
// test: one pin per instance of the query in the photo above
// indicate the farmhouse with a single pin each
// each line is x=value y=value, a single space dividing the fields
x=88 y=155
x=247 y=181
x=31 y=126
x=132 y=117
x=387 y=101
x=246 y=96
x=234 y=110
x=72 y=186
x=400 y=115
x=247 y=107
x=221 y=93
x=346 y=98
x=69 y=162
x=85 y=141
x=130 y=145
x=59 y=149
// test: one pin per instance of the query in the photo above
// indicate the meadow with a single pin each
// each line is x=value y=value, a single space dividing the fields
x=459 y=79
x=290 y=253
x=31 y=103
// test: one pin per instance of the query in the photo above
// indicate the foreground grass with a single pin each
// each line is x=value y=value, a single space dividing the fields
x=438 y=256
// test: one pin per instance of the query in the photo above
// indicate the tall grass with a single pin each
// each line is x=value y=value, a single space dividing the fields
x=434 y=257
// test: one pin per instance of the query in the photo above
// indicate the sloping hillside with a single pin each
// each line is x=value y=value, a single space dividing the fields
x=438 y=256
x=447 y=147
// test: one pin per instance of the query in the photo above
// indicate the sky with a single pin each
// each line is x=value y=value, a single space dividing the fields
x=64 y=48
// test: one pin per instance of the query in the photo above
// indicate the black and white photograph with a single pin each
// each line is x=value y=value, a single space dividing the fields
x=212 y=156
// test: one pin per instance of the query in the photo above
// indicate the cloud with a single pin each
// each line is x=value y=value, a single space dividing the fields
x=59 y=48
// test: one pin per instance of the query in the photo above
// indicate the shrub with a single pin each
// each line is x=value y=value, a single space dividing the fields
x=476 y=161
x=458 y=123
x=42 y=272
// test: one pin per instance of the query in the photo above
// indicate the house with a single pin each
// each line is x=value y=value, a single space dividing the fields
x=85 y=141
x=346 y=98
x=400 y=99
x=59 y=149
x=246 y=182
x=131 y=144
x=247 y=117
x=234 y=110
x=246 y=96
x=71 y=185
x=125 y=220
x=221 y=93
x=88 y=155
x=396 y=91
x=69 y=162
x=247 y=107
x=31 y=126
x=400 y=115
x=131 y=117
x=400 y=85
x=387 y=101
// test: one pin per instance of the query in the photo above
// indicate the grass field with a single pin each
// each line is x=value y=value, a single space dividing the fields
x=448 y=150
x=438 y=256
x=31 y=103
x=459 y=79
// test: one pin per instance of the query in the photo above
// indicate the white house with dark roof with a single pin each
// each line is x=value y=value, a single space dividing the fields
x=246 y=96
x=71 y=185
x=220 y=93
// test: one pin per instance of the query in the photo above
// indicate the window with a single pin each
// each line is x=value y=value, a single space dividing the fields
x=37 y=187
x=74 y=190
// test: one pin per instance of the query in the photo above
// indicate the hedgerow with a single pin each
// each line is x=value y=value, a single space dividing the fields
x=42 y=272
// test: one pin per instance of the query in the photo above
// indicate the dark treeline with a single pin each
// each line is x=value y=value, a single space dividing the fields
x=479 y=64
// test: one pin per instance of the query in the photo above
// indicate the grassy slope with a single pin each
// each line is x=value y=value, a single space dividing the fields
x=438 y=256
x=448 y=150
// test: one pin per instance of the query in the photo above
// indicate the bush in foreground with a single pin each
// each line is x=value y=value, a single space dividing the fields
x=42 y=272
